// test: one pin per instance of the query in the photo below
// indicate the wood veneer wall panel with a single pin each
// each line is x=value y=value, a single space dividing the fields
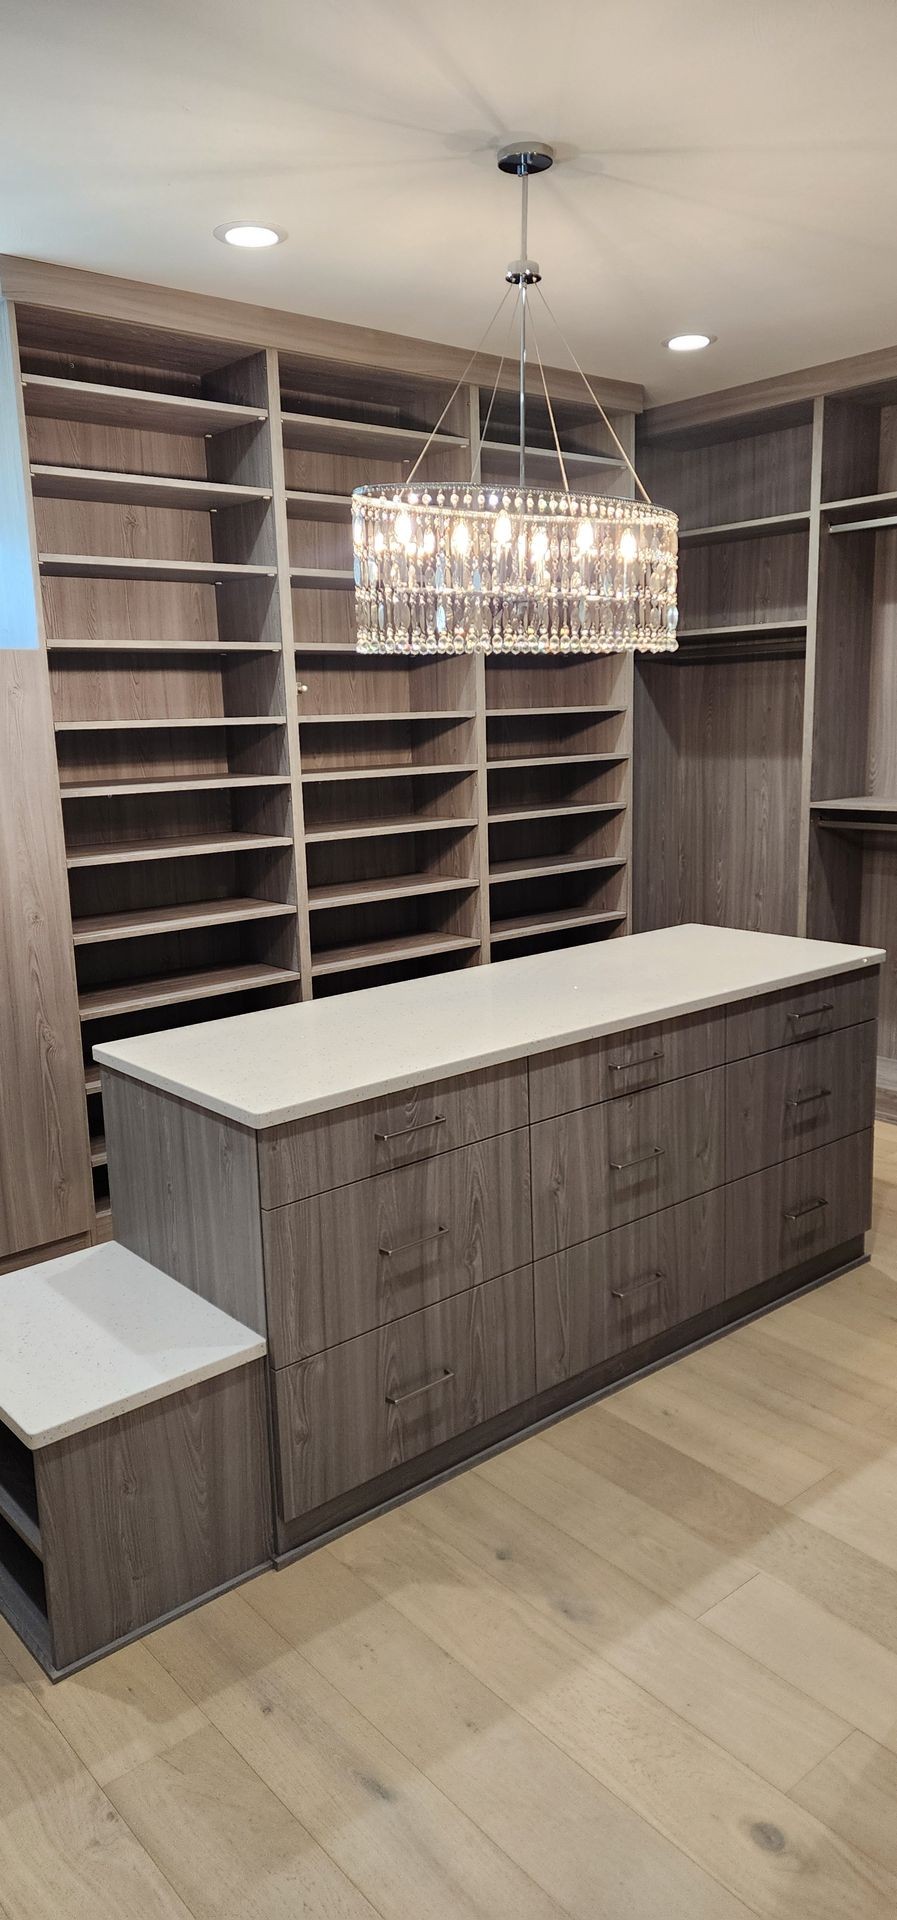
x=717 y=793
x=741 y=479
x=44 y=1170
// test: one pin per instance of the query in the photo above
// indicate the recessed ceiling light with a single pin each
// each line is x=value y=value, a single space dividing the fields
x=689 y=342
x=238 y=233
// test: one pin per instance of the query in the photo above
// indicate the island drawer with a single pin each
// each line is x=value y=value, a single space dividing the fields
x=784 y=1103
x=791 y=1213
x=334 y=1149
x=602 y=1166
x=801 y=1013
x=352 y=1413
x=344 y=1262
x=610 y=1293
x=624 y=1063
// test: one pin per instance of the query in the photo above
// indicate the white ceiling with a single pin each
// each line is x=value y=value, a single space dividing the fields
x=727 y=165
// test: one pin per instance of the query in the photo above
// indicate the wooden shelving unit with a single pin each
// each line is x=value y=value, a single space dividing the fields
x=251 y=811
x=163 y=572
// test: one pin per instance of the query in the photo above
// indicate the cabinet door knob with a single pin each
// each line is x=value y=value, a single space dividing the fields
x=429 y=1386
x=422 y=1240
x=798 y=1213
x=638 y=1286
x=804 y=1099
x=654 y=1153
x=419 y=1126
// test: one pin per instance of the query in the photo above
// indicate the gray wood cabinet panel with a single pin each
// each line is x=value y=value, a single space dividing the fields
x=624 y=1063
x=801 y=1013
x=602 y=1166
x=783 y=1103
x=794 y=1212
x=610 y=1293
x=346 y=1261
x=333 y=1149
x=347 y=1415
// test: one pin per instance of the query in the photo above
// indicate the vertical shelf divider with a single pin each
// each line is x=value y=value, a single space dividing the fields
x=472 y=396
x=288 y=644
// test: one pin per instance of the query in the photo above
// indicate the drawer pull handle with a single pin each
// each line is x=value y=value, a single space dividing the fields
x=404 y=1246
x=429 y=1386
x=798 y=1213
x=812 y=1013
x=420 y=1126
x=641 y=1160
x=638 y=1286
x=804 y=1099
x=632 y=1066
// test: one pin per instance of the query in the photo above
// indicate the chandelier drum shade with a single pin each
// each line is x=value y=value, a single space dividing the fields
x=453 y=567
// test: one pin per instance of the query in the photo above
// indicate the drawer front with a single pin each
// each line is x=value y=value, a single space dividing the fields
x=603 y=1166
x=801 y=1013
x=783 y=1103
x=624 y=1063
x=348 y=1415
x=609 y=1294
x=333 y=1149
x=791 y=1213
x=344 y=1262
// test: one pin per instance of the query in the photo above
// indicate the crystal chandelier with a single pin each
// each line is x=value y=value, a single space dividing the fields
x=455 y=567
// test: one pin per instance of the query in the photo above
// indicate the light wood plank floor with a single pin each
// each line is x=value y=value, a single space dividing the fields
x=643 y=1665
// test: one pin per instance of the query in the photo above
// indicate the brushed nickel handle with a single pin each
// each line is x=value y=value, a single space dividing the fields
x=421 y=1241
x=620 y=1166
x=429 y=1386
x=631 y=1066
x=804 y=1099
x=799 y=1213
x=419 y=1126
x=638 y=1286
x=812 y=1013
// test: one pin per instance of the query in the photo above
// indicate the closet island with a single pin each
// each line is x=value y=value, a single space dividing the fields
x=454 y=1206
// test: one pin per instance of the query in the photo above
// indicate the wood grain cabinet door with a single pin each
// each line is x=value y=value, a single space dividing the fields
x=344 y=1262
x=787 y=1102
x=791 y=1213
x=347 y=1415
x=801 y=1013
x=611 y=1293
x=397 y=1129
x=624 y=1063
x=605 y=1165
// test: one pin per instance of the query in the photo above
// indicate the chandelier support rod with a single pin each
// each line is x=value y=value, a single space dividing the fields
x=524 y=221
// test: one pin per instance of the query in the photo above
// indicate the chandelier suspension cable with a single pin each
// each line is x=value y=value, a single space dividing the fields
x=590 y=389
x=557 y=444
x=477 y=453
x=458 y=385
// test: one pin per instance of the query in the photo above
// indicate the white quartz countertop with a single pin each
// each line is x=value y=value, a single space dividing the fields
x=287 y=1062
x=97 y=1333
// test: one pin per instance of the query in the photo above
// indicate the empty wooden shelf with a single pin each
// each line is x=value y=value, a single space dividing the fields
x=501 y=815
x=502 y=458
x=109 y=406
x=328 y=579
x=377 y=953
x=192 y=783
x=92 y=566
x=404 y=771
x=167 y=722
x=744 y=630
x=199 y=647
x=765 y=524
x=185 y=848
x=141 y=489
x=572 y=759
x=312 y=433
x=139 y=994
x=525 y=924
x=141 y=923
x=446 y=716
x=366 y=829
x=303 y=504
x=542 y=867
x=403 y=886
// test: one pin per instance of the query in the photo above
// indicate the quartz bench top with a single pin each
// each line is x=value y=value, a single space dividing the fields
x=100 y=1332
x=285 y=1063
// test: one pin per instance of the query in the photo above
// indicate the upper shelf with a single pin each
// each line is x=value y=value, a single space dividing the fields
x=340 y=579
x=745 y=630
x=162 y=723
x=766 y=525
x=860 y=813
x=503 y=459
x=312 y=433
x=139 y=489
x=102 y=406
x=305 y=504
x=74 y=645
x=113 y=566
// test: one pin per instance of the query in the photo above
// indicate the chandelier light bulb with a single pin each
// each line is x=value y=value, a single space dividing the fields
x=404 y=529
x=628 y=545
x=539 y=545
x=585 y=536
x=504 y=532
x=461 y=538
x=428 y=543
